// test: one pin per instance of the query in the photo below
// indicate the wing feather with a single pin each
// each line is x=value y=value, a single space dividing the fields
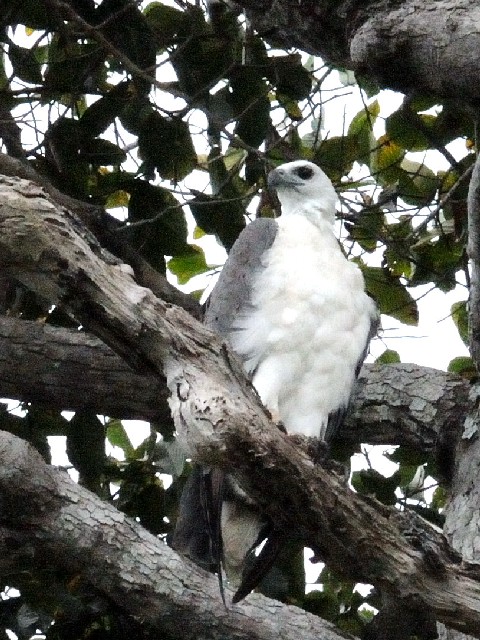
x=231 y=296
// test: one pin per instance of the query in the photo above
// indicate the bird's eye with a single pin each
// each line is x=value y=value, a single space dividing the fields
x=305 y=172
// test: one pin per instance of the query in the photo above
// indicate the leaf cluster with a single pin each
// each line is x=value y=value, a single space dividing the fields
x=111 y=128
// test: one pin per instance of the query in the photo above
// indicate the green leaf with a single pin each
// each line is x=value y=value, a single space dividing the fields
x=63 y=140
x=31 y=13
x=142 y=496
x=134 y=114
x=336 y=156
x=220 y=178
x=219 y=216
x=166 y=145
x=233 y=159
x=388 y=357
x=407 y=456
x=397 y=253
x=417 y=184
x=459 y=313
x=439 y=498
x=102 y=152
x=404 y=127
x=99 y=115
x=322 y=604
x=125 y=26
x=25 y=64
x=391 y=295
x=74 y=68
x=406 y=473
x=437 y=261
x=398 y=262
x=385 y=161
x=203 y=55
x=361 y=128
x=291 y=79
x=250 y=104
x=370 y=482
x=463 y=366
x=367 y=227
x=116 y=199
x=292 y=108
x=452 y=123
x=368 y=85
x=254 y=169
x=118 y=437
x=166 y=234
x=252 y=126
x=164 y=21
x=186 y=267
x=152 y=519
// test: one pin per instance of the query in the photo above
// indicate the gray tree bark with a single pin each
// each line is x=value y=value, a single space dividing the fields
x=462 y=511
x=219 y=416
x=73 y=370
x=48 y=520
x=426 y=46
x=431 y=47
x=66 y=369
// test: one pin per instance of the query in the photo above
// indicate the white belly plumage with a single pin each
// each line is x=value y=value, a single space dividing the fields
x=307 y=327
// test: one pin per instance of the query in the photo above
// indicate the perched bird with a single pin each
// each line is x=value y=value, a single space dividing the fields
x=295 y=310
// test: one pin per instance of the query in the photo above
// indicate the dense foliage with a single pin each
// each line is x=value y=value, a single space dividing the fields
x=164 y=113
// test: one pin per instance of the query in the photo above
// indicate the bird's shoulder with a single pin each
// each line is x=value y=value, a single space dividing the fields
x=231 y=295
x=254 y=240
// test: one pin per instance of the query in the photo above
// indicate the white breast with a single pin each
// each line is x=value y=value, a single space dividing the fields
x=308 y=326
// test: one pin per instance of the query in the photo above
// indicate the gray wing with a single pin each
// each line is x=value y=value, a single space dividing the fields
x=198 y=528
x=231 y=295
x=192 y=535
x=374 y=327
x=197 y=532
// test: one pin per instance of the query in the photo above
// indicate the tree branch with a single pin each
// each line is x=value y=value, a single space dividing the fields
x=432 y=44
x=219 y=416
x=70 y=369
x=67 y=369
x=473 y=250
x=70 y=528
x=105 y=228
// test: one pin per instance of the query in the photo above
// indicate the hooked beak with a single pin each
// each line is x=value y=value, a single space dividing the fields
x=279 y=178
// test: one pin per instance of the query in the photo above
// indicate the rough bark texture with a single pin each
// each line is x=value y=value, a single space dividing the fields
x=67 y=369
x=47 y=519
x=474 y=255
x=426 y=46
x=450 y=634
x=462 y=511
x=219 y=416
x=429 y=46
x=107 y=230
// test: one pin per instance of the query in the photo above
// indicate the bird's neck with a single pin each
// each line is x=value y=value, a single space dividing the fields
x=319 y=213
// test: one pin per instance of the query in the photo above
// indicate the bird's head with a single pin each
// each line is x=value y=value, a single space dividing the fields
x=303 y=188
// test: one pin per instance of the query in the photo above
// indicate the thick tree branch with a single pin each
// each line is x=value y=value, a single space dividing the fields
x=70 y=369
x=474 y=255
x=106 y=229
x=67 y=369
x=427 y=46
x=65 y=526
x=219 y=415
